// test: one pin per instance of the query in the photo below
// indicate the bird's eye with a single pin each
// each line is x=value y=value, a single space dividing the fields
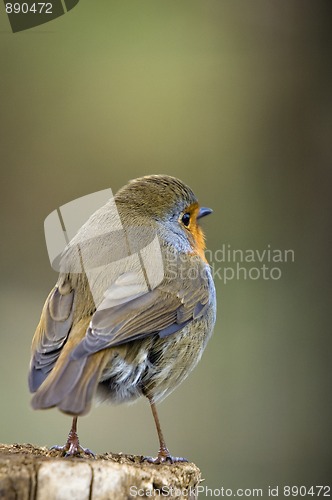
x=186 y=219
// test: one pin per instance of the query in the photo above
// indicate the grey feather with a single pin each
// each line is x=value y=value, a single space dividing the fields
x=162 y=312
x=70 y=372
x=58 y=321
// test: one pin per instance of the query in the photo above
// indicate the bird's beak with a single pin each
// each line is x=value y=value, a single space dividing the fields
x=203 y=211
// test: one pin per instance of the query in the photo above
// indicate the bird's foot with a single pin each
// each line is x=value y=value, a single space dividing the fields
x=163 y=457
x=73 y=448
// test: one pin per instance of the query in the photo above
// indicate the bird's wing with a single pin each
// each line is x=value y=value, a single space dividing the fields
x=163 y=311
x=51 y=334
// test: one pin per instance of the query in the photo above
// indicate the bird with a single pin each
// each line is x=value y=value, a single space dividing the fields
x=132 y=310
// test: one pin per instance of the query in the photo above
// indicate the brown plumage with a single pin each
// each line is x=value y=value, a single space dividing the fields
x=117 y=326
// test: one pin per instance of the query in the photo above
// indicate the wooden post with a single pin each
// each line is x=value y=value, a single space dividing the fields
x=28 y=472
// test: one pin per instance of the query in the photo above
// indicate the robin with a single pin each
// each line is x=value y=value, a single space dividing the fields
x=132 y=310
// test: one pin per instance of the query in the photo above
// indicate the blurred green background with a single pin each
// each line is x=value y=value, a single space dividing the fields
x=234 y=98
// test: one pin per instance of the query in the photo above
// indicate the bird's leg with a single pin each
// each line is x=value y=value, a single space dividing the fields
x=72 y=447
x=164 y=455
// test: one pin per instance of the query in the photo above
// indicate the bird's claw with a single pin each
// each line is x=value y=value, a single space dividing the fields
x=73 y=449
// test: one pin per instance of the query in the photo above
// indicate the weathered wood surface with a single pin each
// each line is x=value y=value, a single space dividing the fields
x=28 y=472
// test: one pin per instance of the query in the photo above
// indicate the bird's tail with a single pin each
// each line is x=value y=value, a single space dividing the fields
x=71 y=384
